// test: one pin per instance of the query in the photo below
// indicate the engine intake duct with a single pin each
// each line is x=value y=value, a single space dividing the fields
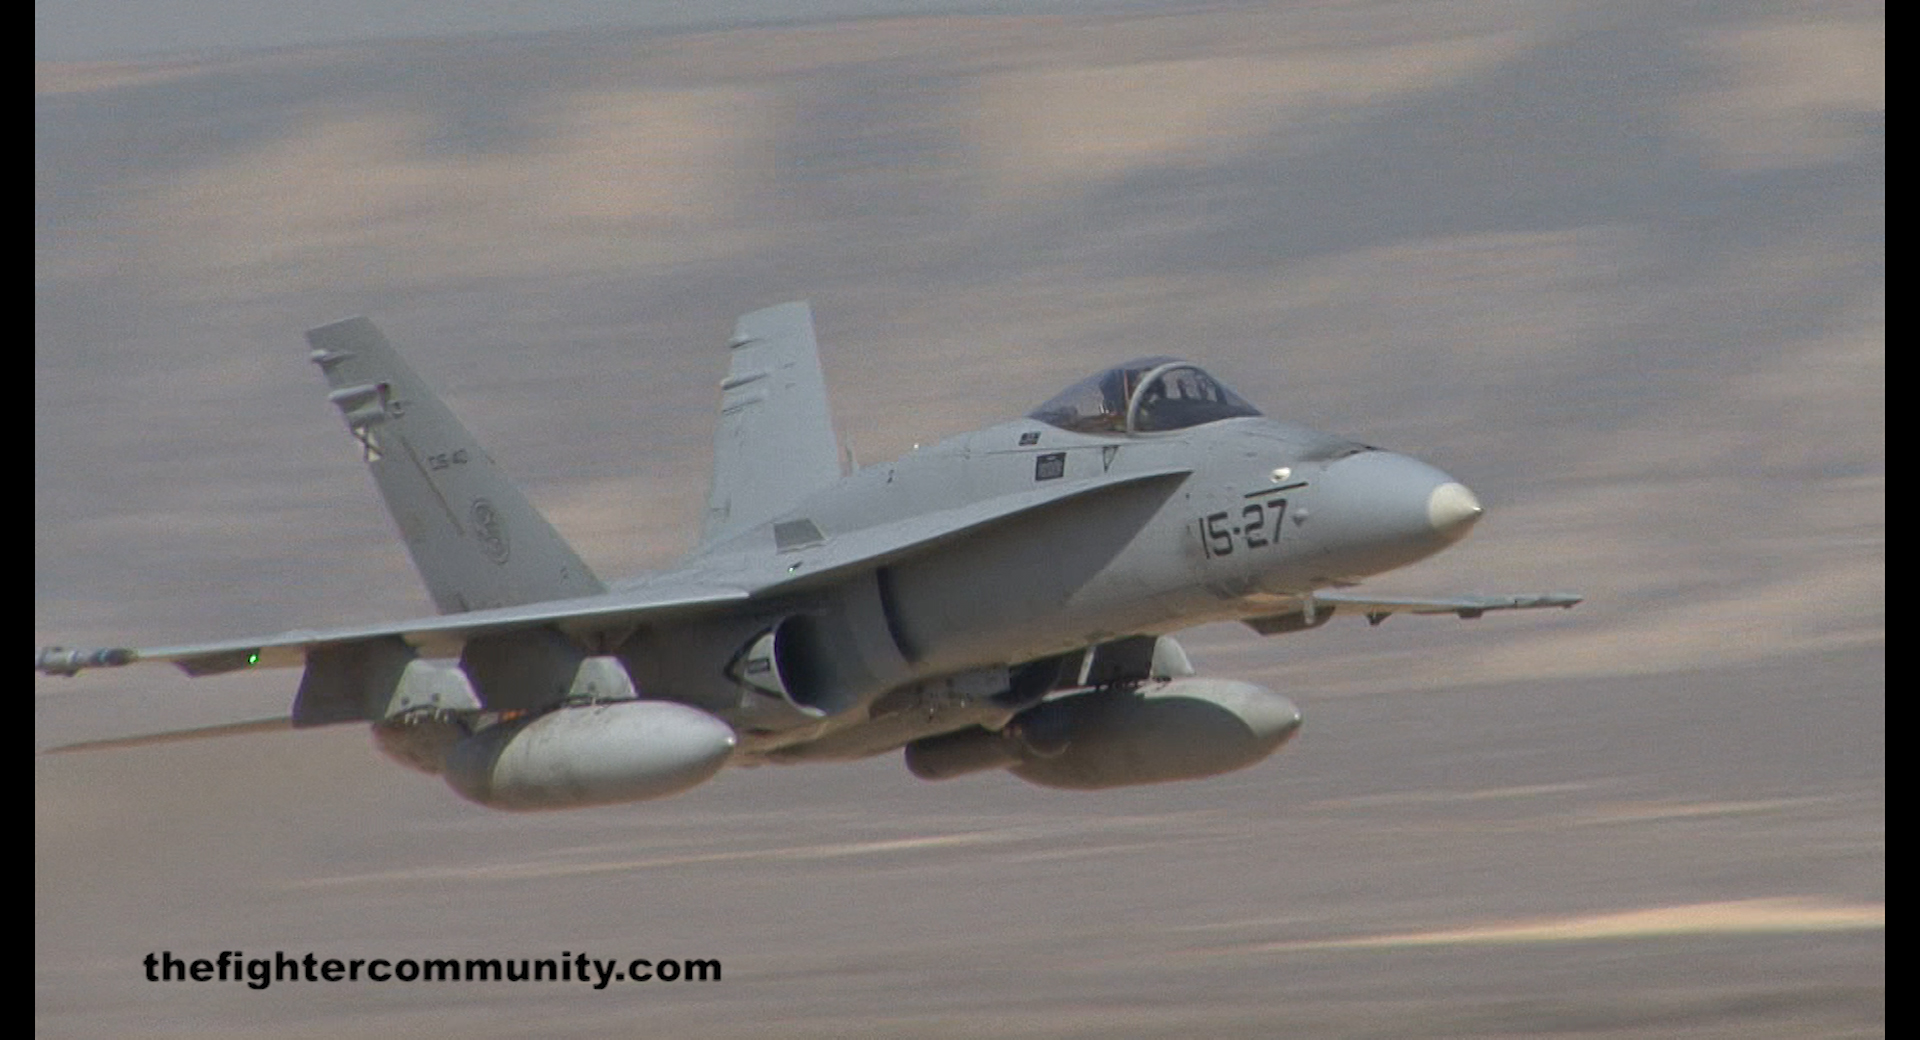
x=815 y=665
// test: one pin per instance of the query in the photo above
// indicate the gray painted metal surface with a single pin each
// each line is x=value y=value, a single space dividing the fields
x=1000 y=599
x=591 y=755
x=475 y=539
x=774 y=444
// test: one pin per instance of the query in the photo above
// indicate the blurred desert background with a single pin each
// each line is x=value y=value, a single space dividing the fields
x=1618 y=267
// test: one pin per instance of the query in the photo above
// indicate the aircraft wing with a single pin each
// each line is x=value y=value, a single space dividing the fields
x=1318 y=606
x=442 y=633
x=1463 y=606
x=774 y=444
x=757 y=576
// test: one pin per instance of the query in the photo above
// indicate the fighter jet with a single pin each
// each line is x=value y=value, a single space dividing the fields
x=1000 y=600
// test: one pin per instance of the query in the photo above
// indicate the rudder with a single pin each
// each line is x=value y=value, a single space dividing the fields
x=475 y=539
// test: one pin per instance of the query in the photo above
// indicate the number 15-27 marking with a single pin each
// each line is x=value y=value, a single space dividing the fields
x=1258 y=527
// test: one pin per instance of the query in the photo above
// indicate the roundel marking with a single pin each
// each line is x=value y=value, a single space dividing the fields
x=491 y=529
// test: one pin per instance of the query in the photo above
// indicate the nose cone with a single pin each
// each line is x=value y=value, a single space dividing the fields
x=1452 y=510
x=1377 y=510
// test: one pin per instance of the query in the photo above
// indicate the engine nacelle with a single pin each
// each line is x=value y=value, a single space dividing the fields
x=598 y=754
x=1180 y=729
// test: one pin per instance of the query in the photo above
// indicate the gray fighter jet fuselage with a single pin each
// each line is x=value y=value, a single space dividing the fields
x=1002 y=599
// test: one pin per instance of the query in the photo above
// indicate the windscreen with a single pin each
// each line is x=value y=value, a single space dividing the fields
x=1148 y=395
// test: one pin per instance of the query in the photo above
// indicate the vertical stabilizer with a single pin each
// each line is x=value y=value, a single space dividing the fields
x=475 y=539
x=775 y=443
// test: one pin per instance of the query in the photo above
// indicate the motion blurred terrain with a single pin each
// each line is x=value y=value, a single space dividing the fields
x=1618 y=267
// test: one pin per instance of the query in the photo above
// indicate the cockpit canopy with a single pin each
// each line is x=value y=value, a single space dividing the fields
x=1151 y=395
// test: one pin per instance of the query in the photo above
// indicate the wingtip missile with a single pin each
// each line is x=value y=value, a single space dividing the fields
x=58 y=660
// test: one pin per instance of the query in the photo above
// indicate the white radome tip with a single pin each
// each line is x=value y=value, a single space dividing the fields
x=1452 y=509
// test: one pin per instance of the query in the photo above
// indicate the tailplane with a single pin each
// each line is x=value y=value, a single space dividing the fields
x=474 y=537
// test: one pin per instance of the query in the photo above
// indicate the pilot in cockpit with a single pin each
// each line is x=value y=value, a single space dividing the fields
x=1150 y=395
